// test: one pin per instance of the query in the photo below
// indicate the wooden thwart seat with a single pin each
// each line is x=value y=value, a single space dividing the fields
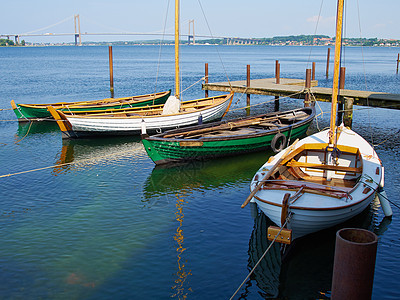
x=293 y=163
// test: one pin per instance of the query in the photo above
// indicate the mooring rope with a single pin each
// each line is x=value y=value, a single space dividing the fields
x=1 y=109
x=29 y=129
x=63 y=164
x=265 y=253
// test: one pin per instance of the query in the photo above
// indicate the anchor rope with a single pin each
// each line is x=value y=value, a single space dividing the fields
x=30 y=125
x=265 y=253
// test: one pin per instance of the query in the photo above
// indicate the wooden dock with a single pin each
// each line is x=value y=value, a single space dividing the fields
x=295 y=88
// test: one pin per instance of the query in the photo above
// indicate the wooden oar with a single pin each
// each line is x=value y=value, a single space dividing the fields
x=260 y=183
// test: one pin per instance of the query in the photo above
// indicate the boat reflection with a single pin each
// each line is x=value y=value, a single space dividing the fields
x=202 y=175
x=304 y=270
x=26 y=128
x=76 y=154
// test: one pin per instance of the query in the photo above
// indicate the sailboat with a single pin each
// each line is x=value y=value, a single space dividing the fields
x=149 y=119
x=321 y=180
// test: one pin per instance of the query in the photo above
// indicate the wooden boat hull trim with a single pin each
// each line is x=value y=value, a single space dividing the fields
x=314 y=211
x=78 y=125
x=28 y=112
x=212 y=144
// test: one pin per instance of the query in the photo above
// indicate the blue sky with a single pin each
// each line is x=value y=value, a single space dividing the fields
x=231 y=18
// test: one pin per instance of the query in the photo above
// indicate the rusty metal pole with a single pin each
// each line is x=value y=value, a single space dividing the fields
x=206 y=79
x=327 y=62
x=354 y=264
x=308 y=86
x=110 y=60
x=341 y=100
x=398 y=59
x=277 y=81
x=248 y=85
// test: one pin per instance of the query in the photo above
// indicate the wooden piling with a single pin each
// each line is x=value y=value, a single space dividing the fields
x=327 y=62
x=248 y=95
x=277 y=81
x=313 y=71
x=308 y=86
x=398 y=59
x=341 y=102
x=348 y=112
x=206 y=79
x=277 y=72
x=110 y=60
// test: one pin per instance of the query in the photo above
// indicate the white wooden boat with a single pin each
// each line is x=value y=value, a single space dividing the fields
x=322 y=190
x=322 y=180
x=134 y=121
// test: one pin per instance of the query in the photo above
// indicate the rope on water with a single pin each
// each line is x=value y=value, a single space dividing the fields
x=1 y=109
x=63 y=164
x=265 y=253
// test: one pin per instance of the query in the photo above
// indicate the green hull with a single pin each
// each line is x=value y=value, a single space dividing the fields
x=31 y=112
x=165 y=150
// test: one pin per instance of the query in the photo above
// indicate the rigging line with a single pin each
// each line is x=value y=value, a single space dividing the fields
x=315 y=31
x=66 y=19
x=161 y=42
x=262 y=256
x=219 y=55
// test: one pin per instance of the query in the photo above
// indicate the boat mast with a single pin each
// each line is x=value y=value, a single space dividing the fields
x=338 y=46
x=177 y=88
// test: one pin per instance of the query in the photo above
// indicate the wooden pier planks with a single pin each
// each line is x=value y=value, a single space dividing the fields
x=295 y=89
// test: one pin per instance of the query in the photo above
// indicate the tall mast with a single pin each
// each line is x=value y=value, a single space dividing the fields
x=338 y=44
x=177 y=88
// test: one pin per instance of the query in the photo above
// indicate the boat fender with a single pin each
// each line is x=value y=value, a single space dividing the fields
x=200 y=119
x=144 y=131
x=387 y=210
x=278 y=142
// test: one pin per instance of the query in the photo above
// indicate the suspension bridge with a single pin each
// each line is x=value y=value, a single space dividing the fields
x=77 y=34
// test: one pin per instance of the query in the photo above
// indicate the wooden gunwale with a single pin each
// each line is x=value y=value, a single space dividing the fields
x=313 y=208
x=112 y=101
x=226 y=126
x=140 y=111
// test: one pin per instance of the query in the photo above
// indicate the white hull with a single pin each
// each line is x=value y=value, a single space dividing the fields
x=133 y=125
x=312 y=212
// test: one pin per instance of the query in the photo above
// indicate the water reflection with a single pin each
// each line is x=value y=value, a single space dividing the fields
x=79 y=153
x=28 y=128
x=179 y=288
x=202 y=175
x=304 y=270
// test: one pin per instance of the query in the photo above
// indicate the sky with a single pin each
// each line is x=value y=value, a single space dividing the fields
x=218 y=18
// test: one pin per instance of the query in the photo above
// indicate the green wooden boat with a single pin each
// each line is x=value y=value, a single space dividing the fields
x=28 y=112
x=229 y=137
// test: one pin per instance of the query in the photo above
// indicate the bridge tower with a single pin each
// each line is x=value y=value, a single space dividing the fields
x=189 y=35
x=77 y=32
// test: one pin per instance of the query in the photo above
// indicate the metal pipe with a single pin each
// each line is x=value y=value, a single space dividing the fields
x=354 y=264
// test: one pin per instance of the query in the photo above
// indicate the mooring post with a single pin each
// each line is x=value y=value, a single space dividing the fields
x=110 y=60
x=348 y=112
x=248 y=95
x=341 y=102
x=327 y=62
x=206 y=79
x=354 y=264
x=277 y=72
x=398 y=59
x=277 y=81
x=313 y=71
x=308 y=86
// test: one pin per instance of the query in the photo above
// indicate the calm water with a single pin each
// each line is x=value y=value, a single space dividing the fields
x=97 y=220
